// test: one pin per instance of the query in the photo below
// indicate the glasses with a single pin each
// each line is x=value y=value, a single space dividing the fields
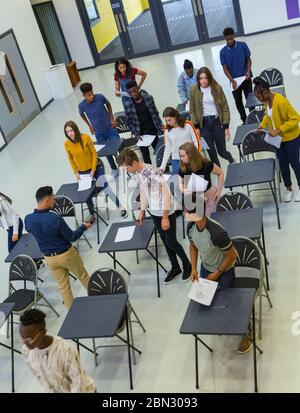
x=30 y=340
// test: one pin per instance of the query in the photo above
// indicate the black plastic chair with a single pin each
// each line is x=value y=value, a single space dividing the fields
x=233 y=201
x=255 y=116
x=160 y=156
x=109 y=281
x=273 y=76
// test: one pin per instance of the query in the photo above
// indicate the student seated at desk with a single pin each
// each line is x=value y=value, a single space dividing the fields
x=193 y=162
x=155 y=193
x=210 y=241
x=83 y=159
x=10 y=220
x=53 y=360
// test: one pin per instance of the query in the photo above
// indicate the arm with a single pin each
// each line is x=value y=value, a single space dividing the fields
x=292 y=115
x=143 y=206
x=111 y=115
x=129 y=121
x=249 y=65
x=227 y=73
x=94 y=155
x=167 y=152
x=15 y=217
x=230 y=256
x=143 y=77
x=225 y=110
x=182 y=89
x=192 y=109
x=117 y=87
x=194 y=137
x=161 y=127
x=194 y=261
x=67 y=233
x=71 y=160
x=74 y=371
x=85 y=119
x=220 y=174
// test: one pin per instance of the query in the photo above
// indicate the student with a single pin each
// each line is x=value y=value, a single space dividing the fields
x=283 y=120
x=236 y=61
x=10 y=220
x=177 y=132
x=125 y=72
x=83 y=160
x=210 y=241
x=209 y=111
x=142 y=117
x=53 y=360
x=186 y=80
x=155 y=193
x=54 y=238
x=97 y=113
x=193 y=162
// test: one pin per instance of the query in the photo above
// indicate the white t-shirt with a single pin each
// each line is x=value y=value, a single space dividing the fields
x=209 y=107
x=58 y=368
x=270 y=114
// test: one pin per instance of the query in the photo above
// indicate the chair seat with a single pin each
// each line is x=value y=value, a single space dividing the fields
x=245 y=282
x=22 y=299
x=129 y=142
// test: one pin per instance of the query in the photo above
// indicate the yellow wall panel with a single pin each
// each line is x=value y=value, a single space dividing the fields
x=134 y=8
x=106 y=30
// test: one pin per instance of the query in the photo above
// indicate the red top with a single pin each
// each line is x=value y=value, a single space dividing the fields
x=134 y=71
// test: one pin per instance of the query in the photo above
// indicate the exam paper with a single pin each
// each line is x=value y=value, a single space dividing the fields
x=125 y=233
x=196 y=184
x=167 y=177
x=187 y=106
x=239 y=81
x=203 y=291
x=204 y=144
x=146 y=140
x=99 y=147
x=273 y=140
x=84 y=183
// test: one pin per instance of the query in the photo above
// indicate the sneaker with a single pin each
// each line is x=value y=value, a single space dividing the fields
x=245 y=345
x=124 y=213
x=288 y=196
x=297 y=197
x=172 y=275
x=186 y=272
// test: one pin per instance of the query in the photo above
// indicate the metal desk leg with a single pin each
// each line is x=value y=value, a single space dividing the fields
x=97 y=221
x=78 y=346
x=156 y=260
x=12 y=353
x=114 y=255
x=128 y=348
x=276 y=201
x=254 y=350
x=265 y=256
x=240 y=153
x=196 y=362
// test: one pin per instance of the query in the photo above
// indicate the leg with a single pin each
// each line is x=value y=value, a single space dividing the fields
x=146 y=154
x=170 y=251
x=283 y=159
x=12 y=353
x=90 y=205
x=75 y=265
x=61 y=273
x=196 y=362
x=237 y=95
x=247 y=88
x=220 y=141
x=172 y=242
x=254 y=350
x=128 y=348
x=157 y=267
x=207 y=134
x=175 y=166
x=292 y=151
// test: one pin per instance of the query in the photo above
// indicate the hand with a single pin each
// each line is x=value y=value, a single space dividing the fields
x=161 y=171
x=92 y=130
x=213 y=276
x=141 y=217
x=234 y=84
x=92 y=174
x=117 y=92
x=77 y=176
x=87 y=225
x=274 y=132
x=162 y=127
x=113 y=123
x=259 y=129
x=227 y=135
x=15 y=237
x=218 y=196
x=247 y=75
x=165 y=223
x=194 y=275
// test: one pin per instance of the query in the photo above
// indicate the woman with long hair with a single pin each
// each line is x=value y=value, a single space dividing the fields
x=193 y=162
x=177 y=132
x=210 y=113
x=125 y=72
x=10 y=220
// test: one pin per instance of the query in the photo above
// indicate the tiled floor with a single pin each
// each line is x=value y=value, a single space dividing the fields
x=36 y=157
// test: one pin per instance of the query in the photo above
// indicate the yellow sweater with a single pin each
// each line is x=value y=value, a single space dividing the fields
x=82 y=159
x=285 y=118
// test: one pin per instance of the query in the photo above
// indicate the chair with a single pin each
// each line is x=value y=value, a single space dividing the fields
x=64 y=207
x=122 y=127
x=249 y=257
x=159 y=158
x=255 y=116
x=109 y=281
x=272 y=76
x=233 y=201
x=23 y=268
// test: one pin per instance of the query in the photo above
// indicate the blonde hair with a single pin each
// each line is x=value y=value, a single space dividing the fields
x=196 y=159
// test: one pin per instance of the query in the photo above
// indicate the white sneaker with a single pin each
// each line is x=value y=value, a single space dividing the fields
x=289 y=196
x=297 y=196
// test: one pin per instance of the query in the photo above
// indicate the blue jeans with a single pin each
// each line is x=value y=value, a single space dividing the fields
x=110 y=134
x=288 y=154
x=226 y=279
x=175 y=166
x=12 y=243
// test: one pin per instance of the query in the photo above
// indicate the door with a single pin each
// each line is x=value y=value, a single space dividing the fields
x=18 y=102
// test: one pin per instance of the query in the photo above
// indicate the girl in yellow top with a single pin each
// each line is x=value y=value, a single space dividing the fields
x=83 y=159
x=281 y=119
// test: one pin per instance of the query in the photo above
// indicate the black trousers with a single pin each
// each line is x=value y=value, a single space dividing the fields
x=145 y=151
x=245 y=87
x=169 y=239
x=214 y=135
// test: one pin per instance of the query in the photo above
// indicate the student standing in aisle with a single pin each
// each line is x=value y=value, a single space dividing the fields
x=283 y=120
x=10 y=220
x=97 y=113
x=125 y=72
x=177 y=132
x=236 y=61
x=142 y=117
x=186 y=80
x=209 y=111
x=155 y=196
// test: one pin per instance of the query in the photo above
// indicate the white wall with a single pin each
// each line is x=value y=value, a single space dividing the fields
x=259 y=15
x=2 y=141
x=18 y=15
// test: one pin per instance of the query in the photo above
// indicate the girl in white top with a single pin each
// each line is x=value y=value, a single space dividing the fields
x=178 y=131
x=10 y=221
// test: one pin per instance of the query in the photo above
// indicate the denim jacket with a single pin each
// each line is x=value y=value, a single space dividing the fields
x=184 y=85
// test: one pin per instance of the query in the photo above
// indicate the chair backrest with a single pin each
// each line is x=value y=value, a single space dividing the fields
x=160 y=155
x=121 y=124
x=255 y=116
x=185 y=115
x=23 y=268
x=64 y=206
x=248 y=257
x=272 y=76
x=254 y=142
x=233 y=201
x=101 y=178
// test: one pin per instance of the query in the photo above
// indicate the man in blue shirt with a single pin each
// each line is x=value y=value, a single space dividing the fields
x=97 y=113
x=54 y=238
x=236 y=61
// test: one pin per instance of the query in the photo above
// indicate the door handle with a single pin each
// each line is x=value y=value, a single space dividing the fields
x=200 y=8
x=123 y=22
x=118 y=23
x=195 y=10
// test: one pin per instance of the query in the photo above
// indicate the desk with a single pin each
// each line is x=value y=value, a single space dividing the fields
x=140 y=241
x=217 y=320
x=244 y=223
x=252 y=101
x=84 y=320
x=241 y=132
x=6 y=310
x=27 y=245
x=111 y=147
x=252 y=173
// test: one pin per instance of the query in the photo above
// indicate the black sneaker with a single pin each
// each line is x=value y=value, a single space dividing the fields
x=172 y=275
x=124 y=213
x=187 y=269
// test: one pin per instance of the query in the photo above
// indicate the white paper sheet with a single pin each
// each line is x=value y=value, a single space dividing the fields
x=146 y=140
x=99 y=147
x=203 y=291
x=204 y=144
x=187 y=106
x=167 y=177
x=196 y=184
x=273 y=140
x=84 y=183
x=239 y=81
x=125 y=233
